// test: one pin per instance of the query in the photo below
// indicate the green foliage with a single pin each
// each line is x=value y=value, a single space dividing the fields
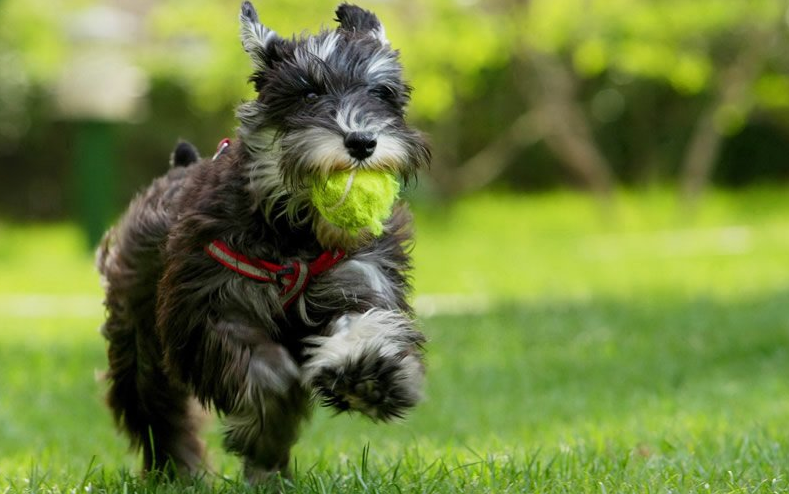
x=720 y=59
x=772 y=90
x=445 y=44
x=676 y=41
x=33 y=34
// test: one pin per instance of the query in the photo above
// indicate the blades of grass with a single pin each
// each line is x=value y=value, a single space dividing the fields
x=88 y=472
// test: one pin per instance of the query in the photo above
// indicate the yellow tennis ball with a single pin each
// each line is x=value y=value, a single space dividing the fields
x=356 y=199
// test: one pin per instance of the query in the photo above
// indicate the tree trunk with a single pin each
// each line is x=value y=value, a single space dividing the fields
x=700 y=156
x=705 y=143
x=556 y=117
x=567 y=130
x=489 y=163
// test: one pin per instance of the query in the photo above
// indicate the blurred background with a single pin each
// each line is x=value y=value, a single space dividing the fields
x=605 y=223
x=518 y=96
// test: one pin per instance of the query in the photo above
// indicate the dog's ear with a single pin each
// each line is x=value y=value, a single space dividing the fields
x=357 y=20
x=184 y=154
x=259 y=41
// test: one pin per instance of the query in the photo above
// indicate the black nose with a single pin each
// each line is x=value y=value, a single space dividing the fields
x=360 y=145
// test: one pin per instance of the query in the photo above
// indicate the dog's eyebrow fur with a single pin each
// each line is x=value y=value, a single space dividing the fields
x=324 y=46
x=383 y=64
x=331 y=61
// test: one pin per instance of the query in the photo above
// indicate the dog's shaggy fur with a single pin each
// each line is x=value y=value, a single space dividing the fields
x=182 y=326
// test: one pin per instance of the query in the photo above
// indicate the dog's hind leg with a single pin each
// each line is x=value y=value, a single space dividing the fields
x=156 y=412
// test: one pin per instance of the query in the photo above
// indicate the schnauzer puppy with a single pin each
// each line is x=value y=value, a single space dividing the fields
x=225 y=284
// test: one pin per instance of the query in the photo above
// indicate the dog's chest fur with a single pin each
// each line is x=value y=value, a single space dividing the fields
x=214 y=202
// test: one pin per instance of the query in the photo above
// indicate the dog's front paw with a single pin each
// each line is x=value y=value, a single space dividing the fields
x=371 y=363
x=381 y=387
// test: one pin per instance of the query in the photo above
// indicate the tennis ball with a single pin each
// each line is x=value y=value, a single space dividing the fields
x=356 y=199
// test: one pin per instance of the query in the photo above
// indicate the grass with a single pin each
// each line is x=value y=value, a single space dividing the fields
x=640 y=352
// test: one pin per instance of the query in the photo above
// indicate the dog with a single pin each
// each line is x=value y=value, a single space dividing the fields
x=226 y=289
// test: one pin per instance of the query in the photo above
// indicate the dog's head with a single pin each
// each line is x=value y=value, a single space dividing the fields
x=328 y=102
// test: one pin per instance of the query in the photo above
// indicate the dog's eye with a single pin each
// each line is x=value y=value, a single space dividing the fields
x=311 y=97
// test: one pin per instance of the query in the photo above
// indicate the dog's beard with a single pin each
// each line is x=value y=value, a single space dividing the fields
x=267 y=186
x=286 y=165
x=314 y=152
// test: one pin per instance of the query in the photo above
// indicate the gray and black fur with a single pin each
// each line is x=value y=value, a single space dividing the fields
x=184 y=154
x=185 y=331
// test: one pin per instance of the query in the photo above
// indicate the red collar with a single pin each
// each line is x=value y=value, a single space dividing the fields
x=293 y=277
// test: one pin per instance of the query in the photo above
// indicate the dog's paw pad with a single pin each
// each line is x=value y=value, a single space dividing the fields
x=381 y=387
x=369 y=390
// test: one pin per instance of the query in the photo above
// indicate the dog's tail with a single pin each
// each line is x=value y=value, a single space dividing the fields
x=184 y=154
x=120 y=330
x=103 y=255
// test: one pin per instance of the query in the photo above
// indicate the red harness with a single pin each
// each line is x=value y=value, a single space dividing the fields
x=293 y=277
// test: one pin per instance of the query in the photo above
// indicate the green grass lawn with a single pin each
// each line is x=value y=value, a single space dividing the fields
x=571 y=350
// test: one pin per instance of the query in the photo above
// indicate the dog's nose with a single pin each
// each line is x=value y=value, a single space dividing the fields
x=360 y=145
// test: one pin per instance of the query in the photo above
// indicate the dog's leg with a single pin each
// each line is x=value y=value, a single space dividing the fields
x=370 y=362
x=254 y=381
x=158 y=415
x=264 y=429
